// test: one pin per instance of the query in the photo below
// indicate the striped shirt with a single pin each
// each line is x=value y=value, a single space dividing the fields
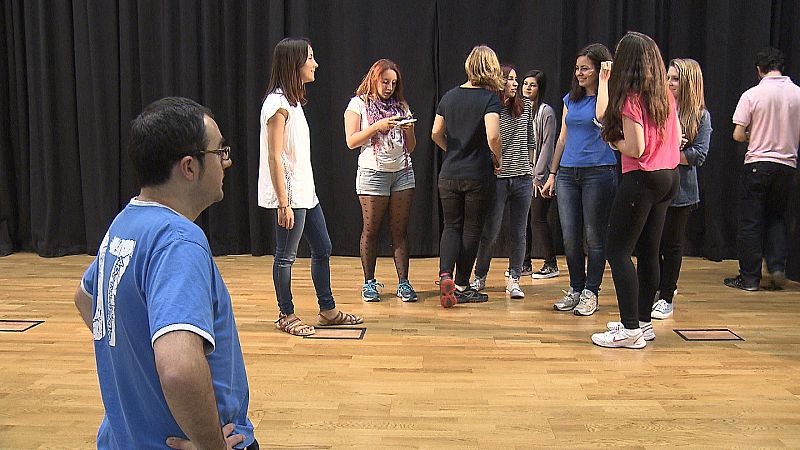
x=518 y=141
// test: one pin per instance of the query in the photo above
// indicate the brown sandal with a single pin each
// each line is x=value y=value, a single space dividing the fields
x=295 y=326
x=340 y=319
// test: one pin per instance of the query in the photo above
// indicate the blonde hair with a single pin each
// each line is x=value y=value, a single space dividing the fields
x=483 y=68
x=691 y=99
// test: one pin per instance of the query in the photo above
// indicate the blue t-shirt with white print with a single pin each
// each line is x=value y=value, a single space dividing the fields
x=154 y=274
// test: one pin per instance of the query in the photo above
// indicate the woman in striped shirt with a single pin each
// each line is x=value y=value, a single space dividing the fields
x=514 y=185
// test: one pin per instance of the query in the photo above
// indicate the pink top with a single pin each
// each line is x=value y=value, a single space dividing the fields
x=661 y=147
x=771 y=110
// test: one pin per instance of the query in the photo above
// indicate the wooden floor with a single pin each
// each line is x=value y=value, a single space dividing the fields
x=506 y=374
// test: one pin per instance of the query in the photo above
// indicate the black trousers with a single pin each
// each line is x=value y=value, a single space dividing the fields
x=464 y=206
x=762 y=227
x=636 y=222
x=671 y=252
x=539 y=230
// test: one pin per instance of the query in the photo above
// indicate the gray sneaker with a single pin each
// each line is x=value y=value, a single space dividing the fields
x=513 y=288
x=569 y=302
x=587 y=304
x=479 y=283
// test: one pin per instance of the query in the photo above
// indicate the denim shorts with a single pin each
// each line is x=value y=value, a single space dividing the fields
x=373 y=182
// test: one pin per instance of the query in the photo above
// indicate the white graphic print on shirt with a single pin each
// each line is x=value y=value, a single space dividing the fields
x=104 y=322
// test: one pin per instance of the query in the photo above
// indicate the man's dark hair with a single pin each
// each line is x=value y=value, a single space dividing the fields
x=164 y=132
x=770 y=58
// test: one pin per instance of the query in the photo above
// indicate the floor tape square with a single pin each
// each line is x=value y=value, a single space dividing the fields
x=338 y=333
x=18 y=326
x=709 y=334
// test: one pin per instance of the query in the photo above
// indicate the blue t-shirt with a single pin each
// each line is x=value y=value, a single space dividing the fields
x=584 y=147
x=154 y=274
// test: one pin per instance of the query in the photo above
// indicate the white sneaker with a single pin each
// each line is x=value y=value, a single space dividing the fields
x=658 y=294
x=646 y=327
x=479 y=283
x=661 y=310
x=587 y=304
x=513 y=288
x=620 y=337
x=569 y=302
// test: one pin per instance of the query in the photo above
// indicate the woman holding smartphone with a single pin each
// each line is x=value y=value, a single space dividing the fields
x=467 y=129
x=584 y=171
x=286 y=184
x=685 y=81
x=642 y=123
x=377 y=121
x=513 y=185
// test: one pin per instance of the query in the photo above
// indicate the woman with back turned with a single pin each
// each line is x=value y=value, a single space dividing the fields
x=467 y=129
x=642 y=123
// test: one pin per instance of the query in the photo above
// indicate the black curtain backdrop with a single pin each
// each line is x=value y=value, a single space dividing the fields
x=74 y=73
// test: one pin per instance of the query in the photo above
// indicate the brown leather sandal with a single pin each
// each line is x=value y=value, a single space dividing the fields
x=294 y=326
x=340 y=319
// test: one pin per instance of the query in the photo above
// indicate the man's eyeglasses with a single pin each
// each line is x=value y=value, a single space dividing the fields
x=223 y=152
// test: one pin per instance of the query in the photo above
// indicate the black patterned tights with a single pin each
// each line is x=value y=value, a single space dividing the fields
x=373 y=208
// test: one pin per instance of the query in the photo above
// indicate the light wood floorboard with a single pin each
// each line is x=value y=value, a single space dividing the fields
x=508 y=374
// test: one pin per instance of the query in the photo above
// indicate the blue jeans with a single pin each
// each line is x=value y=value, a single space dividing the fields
x=311 y=224
x=517 y=193
x=585 y=195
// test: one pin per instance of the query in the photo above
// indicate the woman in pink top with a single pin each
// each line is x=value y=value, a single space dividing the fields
x=642 y=123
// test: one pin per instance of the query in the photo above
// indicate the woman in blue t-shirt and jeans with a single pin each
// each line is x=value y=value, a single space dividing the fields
x=586 y=180
x=467 y=128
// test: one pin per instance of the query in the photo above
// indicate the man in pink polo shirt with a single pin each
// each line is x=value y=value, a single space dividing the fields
x=768 y=119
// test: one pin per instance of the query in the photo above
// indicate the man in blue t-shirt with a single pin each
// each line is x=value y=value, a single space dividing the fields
x=166 y=346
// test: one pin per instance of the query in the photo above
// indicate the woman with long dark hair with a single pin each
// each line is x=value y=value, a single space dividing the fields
x=513 y=185
x=467 y=129
x=286 y=184
x=642 y=123
x=385 y=178
x=534 y=87
x=584 y=172
x=685 y=81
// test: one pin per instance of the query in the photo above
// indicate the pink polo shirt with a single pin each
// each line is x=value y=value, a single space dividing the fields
x=772 y=111
x=661 y=147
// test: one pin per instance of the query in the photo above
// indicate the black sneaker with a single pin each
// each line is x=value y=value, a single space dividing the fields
x=547 y=271
x=470 y=295
x=526 y=271
x=738 y=283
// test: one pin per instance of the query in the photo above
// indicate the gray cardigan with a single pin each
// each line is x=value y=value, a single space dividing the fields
x=544 y=123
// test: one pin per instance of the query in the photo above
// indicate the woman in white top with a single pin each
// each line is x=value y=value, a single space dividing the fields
x=385 y=178
x=286 y=183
